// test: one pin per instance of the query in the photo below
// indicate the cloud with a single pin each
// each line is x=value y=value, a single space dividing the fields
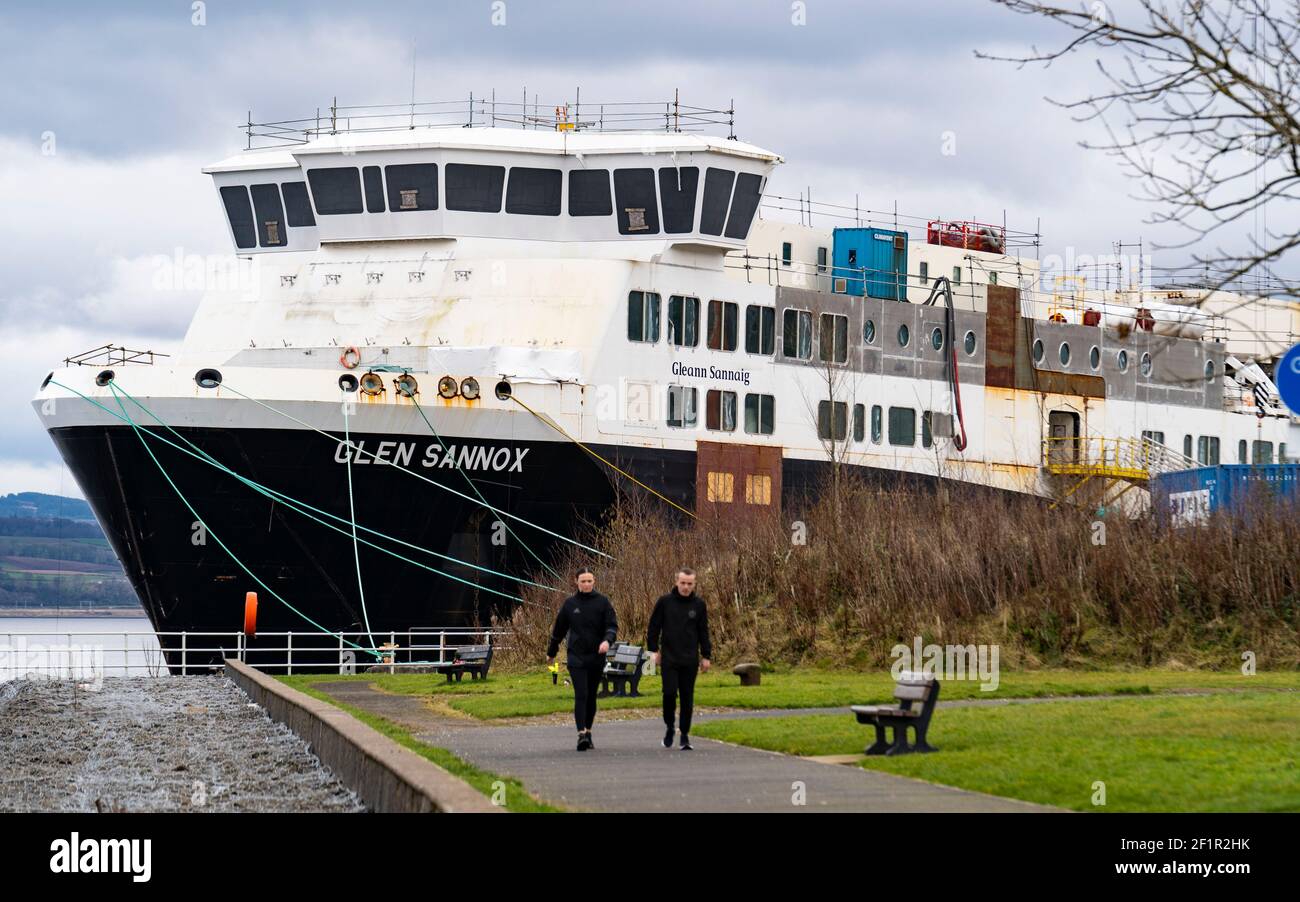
x=24 y=476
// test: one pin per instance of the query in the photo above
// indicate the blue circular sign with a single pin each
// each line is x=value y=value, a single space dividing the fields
x=1287 y=379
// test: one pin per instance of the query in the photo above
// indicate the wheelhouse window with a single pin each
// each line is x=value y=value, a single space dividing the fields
x=335 y=189
x=297 y=205
x=678 y=187
x=760 y=329
x=902 y=426
x=723 y=322
x=744 y=204
x=643 y=316
x=270 y=215
x=681 y=406
x=412 y=186
x=717 y=195
x=638 y=209
x=859 y=422
x=472 y=188
x=374 y=183
x=534 y=192
x=760 y=414
x=834 y=344
x=797 y=334
x=683 y=321
x=832 y=420
x=240 y=213
x=720 y=410
x=589 y=193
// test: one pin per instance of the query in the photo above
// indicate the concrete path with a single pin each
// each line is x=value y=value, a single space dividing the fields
x=630 y=770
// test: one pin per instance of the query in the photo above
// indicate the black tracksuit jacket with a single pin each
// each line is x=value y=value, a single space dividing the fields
x=585 y=620
x=680 y=626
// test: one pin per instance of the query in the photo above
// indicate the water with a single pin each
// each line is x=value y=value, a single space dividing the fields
x=124 y=646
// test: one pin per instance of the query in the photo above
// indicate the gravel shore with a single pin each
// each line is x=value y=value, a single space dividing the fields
x=154 y=744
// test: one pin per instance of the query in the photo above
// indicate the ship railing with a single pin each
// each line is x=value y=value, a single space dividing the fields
x=1132 y=459
x=85 y=654
x=481 y=111
x=112 y=355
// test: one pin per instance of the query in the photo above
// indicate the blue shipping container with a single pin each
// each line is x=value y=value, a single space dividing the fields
x=871 y=261
x=1189 y=496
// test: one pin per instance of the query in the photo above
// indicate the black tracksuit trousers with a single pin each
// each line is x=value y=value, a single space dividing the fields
x=679 y=679
x=586 y=683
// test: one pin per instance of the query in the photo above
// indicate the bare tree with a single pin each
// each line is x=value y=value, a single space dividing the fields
x=1201 y=104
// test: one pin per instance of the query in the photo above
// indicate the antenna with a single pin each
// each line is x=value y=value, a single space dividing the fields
x=412 y=82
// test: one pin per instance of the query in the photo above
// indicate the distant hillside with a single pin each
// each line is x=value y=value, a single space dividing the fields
x=35 y=505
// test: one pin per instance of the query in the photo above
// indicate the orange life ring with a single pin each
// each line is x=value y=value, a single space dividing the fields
x=350 y=357
x=250 y=614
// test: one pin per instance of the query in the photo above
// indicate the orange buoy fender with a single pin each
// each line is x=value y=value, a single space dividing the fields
x=250 y=614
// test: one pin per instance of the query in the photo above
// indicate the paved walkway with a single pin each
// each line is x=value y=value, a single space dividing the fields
x=630 y=770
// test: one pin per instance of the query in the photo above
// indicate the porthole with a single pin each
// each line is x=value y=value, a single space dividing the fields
x=207 y=378
x=869 y=332
x=447 y=387
x=1209 y=371
x=1064 y=353
x=1094 y=357
x=347 y=382
x=406 y=386
x=936 y=339
x=1038 y=350
x=469 y=388
x=969 y=343
x=372 y=384
x=504 y=390
x=904 y=336
x=104 y=377
x=1121 y=360
x=1146 y=364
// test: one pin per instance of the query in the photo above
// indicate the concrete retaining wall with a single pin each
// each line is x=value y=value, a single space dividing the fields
x=387 y=777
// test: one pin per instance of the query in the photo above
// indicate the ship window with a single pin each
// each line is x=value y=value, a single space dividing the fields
x=743 y=205
x=924 y=272
x=412 y=186
x=834 y=344
x=534 y=192
x=1209 y=371
x=969 y=344
x=720 y=410
x=335 y=189
x=1261 y=452
x=927 y=428
x=904 y=335
x=1065 y=353
x=760 y=329
x=1187 y=446
x=473 y=188
x=296 y=204
x=678 y=187
x=956 y=275
x=993 y=278
x=902 y=426
x=638 y=210
x=877 y=424
x=936 y=338
x=374 y=183
x=786 y=253
x=1094 y=357
x=270 y=215
x=643 y=316
x=758 y=489
x=1121 y=360
x=681 y=405
x=760 y=414
x=723 y=317
x=1146 y=364
x=832 y=420
x=1154 y=435
x=869 y=331
x=683 y=321
x=859 y=422
x=1038 y=350
x=821 y=259
x=1207 y=450
x=1241 y=451
x=717 y=195
x=240 y=213
x=721 y=487
x=796 y=337
x=589 y=193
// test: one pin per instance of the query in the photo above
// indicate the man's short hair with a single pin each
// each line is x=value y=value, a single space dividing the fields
x=685 y=571
x=582 y=570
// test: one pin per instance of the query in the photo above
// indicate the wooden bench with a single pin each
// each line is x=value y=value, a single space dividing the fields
x=472 y=659
x=623 y=663
x=909 y=691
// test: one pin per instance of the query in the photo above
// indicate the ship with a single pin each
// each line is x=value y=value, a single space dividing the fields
x=462 y=330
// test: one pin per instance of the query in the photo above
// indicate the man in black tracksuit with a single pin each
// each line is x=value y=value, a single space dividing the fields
x=679 y=639
x=587 y=620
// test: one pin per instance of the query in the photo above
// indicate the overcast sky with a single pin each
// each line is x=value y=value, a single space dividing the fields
x=110 y=110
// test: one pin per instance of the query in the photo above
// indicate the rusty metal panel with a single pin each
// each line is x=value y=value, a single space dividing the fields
x=1000 y=341
x=740 y=463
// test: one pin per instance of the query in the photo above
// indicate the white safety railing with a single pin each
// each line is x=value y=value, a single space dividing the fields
x=140 y=653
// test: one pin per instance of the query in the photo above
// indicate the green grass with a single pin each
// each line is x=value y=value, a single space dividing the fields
x=1169 y=753
x=530 y=693
x=517 y=798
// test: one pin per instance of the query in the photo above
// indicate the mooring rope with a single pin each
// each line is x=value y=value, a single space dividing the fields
x=352 y=517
